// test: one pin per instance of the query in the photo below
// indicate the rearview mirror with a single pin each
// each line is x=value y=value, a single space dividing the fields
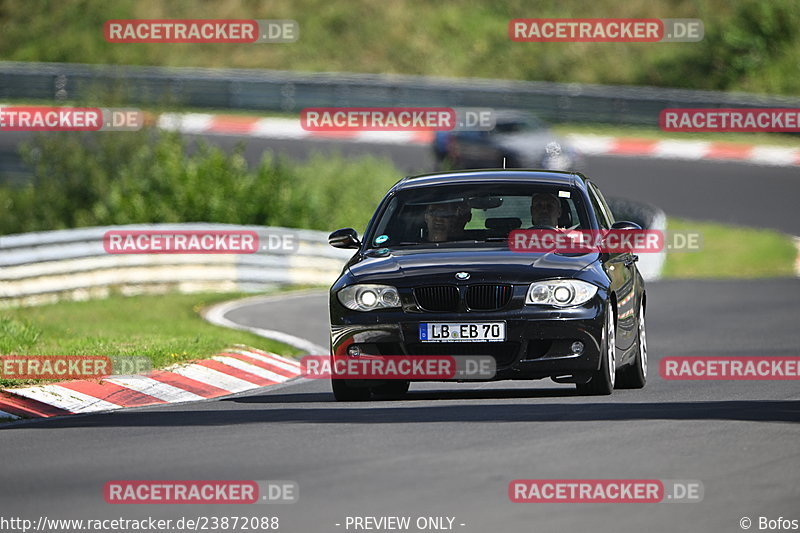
x=485 y=202
x=344 y=238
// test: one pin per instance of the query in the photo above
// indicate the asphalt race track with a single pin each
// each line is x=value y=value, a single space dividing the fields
x=451 y=450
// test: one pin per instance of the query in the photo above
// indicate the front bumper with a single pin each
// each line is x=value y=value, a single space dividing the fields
x=538 y=339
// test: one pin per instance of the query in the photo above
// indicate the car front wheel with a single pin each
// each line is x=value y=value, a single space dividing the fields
x=603 y=379
x=635 y=375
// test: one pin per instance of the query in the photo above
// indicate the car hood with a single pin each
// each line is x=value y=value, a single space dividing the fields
x=485 y=265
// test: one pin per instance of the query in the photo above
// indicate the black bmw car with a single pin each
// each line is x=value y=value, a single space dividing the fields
x=435 y=260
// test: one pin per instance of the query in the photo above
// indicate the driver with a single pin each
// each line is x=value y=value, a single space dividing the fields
x=545 y=210
x=446 y=220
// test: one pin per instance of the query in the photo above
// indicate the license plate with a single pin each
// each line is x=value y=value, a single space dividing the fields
x=462 y=331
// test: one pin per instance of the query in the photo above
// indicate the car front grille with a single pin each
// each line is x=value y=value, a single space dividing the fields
x=488 y=297
x=437 y=298
x=445 y=298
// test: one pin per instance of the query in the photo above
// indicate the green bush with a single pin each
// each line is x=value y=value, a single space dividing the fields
x=111 y=178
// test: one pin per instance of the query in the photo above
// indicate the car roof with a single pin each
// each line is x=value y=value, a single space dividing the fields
x=538 y=177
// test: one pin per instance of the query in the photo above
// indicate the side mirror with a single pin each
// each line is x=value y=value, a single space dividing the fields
x=625 y=224
x=344 y=238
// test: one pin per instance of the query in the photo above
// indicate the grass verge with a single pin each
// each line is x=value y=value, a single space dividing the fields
x=166 y=328
x=731 y=252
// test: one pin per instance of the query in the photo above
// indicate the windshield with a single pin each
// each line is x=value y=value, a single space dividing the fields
x=468 y=215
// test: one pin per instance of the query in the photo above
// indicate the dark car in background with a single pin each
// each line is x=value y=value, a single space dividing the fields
x=518 y=140
x=436 y=252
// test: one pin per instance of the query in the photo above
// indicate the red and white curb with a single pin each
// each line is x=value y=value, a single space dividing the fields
x=235 y=370
x=290 y=128
x=280 y=128
x=687 y=150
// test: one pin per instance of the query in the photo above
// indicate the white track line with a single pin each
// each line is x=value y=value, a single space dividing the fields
x=216 y=315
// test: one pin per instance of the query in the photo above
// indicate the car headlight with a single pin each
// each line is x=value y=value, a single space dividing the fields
x=560 y=292
x=369 y=297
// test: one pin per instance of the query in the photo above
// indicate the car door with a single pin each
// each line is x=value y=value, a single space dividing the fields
x=619 y=268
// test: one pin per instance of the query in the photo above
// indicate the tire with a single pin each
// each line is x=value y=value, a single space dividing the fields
x=345 y=393
x=634 y=376
x=395 y=389
x=603 y=379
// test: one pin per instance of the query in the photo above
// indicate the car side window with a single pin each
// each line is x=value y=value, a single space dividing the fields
x=603 y=203
x=599 y=207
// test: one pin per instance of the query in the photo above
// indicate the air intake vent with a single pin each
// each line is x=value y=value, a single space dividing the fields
x=438 y=298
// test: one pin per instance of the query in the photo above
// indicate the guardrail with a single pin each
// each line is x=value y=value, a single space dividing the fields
x=44 y=267
x=292 y=91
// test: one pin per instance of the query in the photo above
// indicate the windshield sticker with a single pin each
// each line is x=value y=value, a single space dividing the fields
x=380 y=239
x=563 y=194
